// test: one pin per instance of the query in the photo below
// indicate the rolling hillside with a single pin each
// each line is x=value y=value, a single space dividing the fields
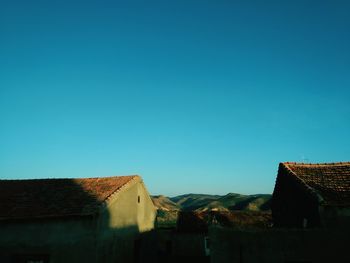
x=164 y=203
x=203 y=202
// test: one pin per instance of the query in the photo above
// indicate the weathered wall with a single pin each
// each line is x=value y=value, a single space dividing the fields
x=71 y=241
x=278 y=246
x=111 y=236
x=174 y=246
x=188 y=244
x=292 y=204
x=121 y=222
x=335 y=217
x=180 y=244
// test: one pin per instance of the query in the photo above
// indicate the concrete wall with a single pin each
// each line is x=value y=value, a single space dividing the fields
x=279 y=246
x=126 y=215
x=335 y=217
x=180 y=244
x=110 y=236
x=173 y=246
x=71 y=241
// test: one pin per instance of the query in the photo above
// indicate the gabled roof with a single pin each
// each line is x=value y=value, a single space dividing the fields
x=329 y=181
x=39 y=198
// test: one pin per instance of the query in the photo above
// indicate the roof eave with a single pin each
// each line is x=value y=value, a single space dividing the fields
x=121 y=189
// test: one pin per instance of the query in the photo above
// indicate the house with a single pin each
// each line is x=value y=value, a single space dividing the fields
x=311 y=218
x=74 y=220
x=312 y=195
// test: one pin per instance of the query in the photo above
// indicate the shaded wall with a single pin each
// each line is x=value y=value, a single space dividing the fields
x=174 y=246
x=291 y=204
x=71 y=241
x=335 y=217
x=278 y=246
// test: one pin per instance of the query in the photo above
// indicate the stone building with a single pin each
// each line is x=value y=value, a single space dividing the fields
x=74 y=220
x=312 y=195
x=311 y=218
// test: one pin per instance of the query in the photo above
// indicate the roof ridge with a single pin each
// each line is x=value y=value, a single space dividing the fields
x=106 y=177
x=134 y=177
x=67 y=178
x=316 y=164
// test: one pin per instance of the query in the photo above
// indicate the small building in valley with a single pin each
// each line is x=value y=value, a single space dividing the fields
x=189 y=240
x=312 y=195
x=74 y=220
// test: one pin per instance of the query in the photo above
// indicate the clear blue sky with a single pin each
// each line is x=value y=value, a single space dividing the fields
x=195 y=96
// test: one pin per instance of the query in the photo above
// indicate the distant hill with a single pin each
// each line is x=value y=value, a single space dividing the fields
x=164 y=203
x=203 y=202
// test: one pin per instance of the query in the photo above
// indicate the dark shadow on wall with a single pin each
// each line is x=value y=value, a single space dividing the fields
x=292 y=206
x=279 y=245
x=60 y=220
x=185 y=242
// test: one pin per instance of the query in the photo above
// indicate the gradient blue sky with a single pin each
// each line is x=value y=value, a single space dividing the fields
x=195 y=96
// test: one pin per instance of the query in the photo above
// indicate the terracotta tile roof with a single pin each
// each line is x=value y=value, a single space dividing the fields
x=39 y=198
x=329 y=181
x=243 y=219
x=192 y=221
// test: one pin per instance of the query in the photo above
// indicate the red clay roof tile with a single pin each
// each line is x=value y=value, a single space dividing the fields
x=37 y=198
x=329 y=180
